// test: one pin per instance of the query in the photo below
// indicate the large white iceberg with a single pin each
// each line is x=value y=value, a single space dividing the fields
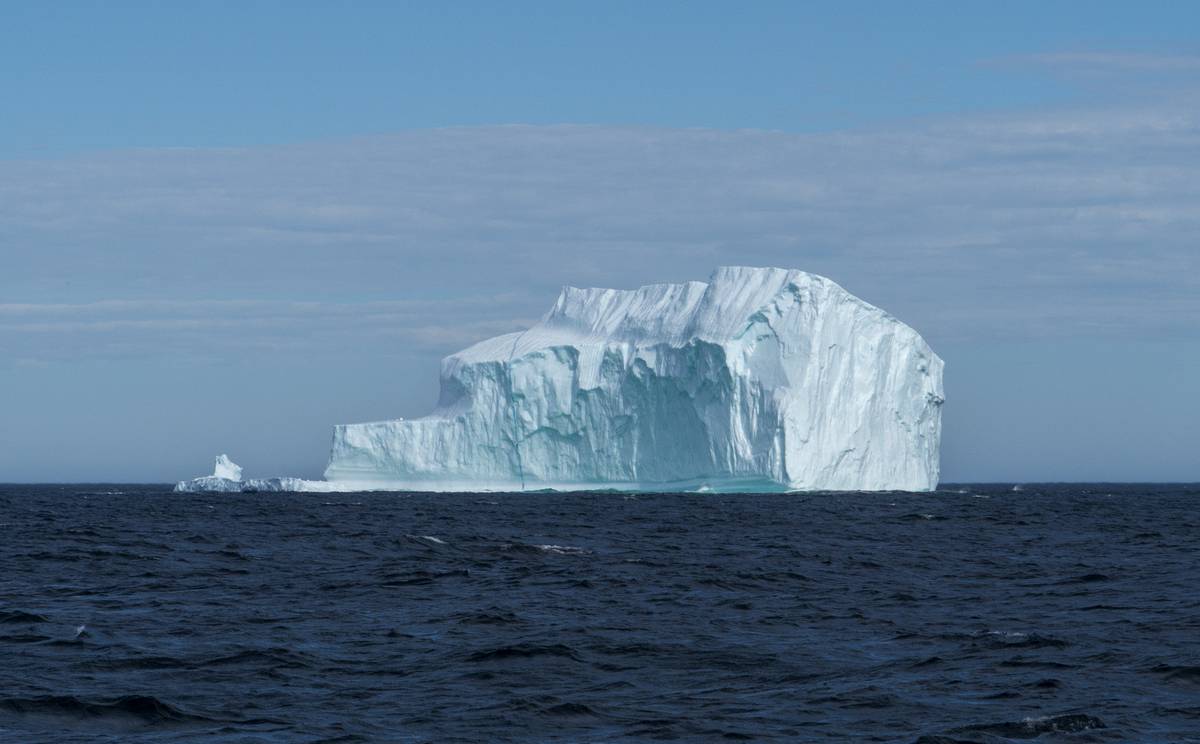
x=760 y=379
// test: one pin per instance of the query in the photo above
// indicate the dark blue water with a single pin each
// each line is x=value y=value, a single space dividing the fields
x=1060 y=613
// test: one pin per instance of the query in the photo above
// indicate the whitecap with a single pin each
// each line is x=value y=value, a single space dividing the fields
x=426 y=539
x=562 y=549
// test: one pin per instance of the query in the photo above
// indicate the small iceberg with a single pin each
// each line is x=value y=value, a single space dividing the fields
x=227 y=478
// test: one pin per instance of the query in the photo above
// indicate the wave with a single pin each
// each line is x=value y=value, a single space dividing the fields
x=562 y=549
x=25 y=638
x=1178 y=673
x=21 y=616
x=524 y=651
x=1019 y=662
x=917 y=517
x=275 y=657
x=121 y=713
x=140 y=707
x=428 y=541
x=1087 y=578
x=493 y=617
x=570 y=710
x=516 y=547
x=1008 y=639
x=1031 y=728
x=421 y=577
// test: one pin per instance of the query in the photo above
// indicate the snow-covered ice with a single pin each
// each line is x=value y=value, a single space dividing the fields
x=760 y=379
x=227 y=478
x=226 y=468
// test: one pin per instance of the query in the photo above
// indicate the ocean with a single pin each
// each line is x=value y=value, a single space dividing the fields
x=979 y=613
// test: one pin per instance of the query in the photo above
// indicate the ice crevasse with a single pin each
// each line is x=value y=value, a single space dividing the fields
x=760 y=379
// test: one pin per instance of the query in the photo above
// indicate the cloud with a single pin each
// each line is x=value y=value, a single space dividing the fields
x=1105 y=74
x=1050 y=223
x=199 y=329
x=1112 y=61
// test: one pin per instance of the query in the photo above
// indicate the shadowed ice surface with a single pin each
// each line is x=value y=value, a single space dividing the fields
x=973 y=614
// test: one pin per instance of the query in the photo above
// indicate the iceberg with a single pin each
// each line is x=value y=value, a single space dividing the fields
x=227 y=478
x=227 y=469
x=761 y=379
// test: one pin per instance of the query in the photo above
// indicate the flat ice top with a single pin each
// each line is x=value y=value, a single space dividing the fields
x=656 y=313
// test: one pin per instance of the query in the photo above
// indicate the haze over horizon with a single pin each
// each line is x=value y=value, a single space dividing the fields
x=227 y=231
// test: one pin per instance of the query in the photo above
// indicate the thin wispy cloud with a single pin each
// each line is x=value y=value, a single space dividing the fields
x=218 y=328
x=1112 y=61
x=1051 y=223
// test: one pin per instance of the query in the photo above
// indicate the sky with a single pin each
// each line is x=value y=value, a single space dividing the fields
x=228 y=227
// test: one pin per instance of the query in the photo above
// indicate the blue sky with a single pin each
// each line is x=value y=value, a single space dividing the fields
x=80 y=76
x=229 y=228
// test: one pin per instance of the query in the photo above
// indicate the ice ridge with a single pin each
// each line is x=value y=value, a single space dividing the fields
x=760 y=379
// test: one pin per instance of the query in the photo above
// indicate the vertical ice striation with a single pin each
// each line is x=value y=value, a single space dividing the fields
x=761 y=379
x=226 y=468
x=226 y=477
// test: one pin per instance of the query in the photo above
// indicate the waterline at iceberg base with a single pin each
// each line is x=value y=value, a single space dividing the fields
x=761 y=379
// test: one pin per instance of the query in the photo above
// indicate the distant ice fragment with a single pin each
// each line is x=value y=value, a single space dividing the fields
x=227 y=478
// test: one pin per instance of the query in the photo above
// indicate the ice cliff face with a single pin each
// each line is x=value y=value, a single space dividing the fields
x=226 y=477
x=761 y=379
x=226 y=468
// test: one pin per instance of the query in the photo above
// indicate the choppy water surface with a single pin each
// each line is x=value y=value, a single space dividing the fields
x=979 y=614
